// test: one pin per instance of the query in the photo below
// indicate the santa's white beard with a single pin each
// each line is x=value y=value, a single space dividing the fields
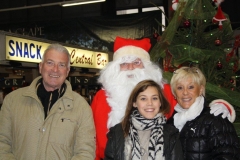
x=119 y=84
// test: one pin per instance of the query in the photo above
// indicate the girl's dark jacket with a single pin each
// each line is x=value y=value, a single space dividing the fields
x=115 y=145
x=209 y=137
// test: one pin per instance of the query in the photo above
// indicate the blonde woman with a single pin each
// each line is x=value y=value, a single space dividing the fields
x=203 y=136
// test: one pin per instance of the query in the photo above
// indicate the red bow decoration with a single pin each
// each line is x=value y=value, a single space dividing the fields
x=231 y=54
x=167 y=64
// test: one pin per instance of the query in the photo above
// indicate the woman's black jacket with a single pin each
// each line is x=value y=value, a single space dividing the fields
x=115 y=145
x=209 y=137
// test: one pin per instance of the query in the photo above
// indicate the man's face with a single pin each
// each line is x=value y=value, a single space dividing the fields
x=54 y=69
x=137 y=63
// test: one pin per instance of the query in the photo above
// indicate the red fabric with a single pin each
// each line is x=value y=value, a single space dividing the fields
x=219 y=15
x=169 y=96
x=122 y=42
x=101 y=109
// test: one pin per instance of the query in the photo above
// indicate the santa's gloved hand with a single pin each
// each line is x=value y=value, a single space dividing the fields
x=221 y=106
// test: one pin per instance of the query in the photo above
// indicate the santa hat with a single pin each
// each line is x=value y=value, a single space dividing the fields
x=130 y=47
x=219 y=17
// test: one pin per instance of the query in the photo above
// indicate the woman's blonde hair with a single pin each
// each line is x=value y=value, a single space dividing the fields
x=184 y=73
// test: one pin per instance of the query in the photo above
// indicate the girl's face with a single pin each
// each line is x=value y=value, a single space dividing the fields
x=186 y=92
x=148 y=103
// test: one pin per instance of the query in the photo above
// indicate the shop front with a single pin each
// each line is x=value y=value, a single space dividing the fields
x=20 y=55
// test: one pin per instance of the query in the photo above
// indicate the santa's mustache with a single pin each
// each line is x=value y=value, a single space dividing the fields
x=132 y=75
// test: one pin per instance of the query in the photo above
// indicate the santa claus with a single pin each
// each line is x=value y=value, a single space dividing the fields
x=131 y=64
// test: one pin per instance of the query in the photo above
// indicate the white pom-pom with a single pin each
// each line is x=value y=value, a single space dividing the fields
x=174 y=6
x=217 y=2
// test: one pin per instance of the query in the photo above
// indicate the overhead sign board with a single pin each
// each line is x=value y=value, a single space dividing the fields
x=25 y=50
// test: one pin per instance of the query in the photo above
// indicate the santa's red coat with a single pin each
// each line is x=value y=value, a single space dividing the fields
x=101 y=109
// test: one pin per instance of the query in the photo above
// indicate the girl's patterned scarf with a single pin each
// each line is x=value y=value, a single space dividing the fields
x=138 y=122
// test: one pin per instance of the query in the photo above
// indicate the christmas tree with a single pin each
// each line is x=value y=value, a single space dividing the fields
x=200 y=34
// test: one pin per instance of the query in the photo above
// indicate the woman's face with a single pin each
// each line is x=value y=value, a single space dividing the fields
x=148 y=103
x=187 y=91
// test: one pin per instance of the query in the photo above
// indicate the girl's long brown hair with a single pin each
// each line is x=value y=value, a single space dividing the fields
x=140 y=87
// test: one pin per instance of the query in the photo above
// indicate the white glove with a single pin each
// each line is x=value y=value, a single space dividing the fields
x=221 y=106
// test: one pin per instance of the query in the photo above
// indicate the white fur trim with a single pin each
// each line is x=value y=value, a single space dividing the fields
x=230 y=108
x=131 y=50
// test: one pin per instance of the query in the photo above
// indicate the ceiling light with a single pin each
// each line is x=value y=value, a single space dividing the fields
x=81 y=2
x=64 y=4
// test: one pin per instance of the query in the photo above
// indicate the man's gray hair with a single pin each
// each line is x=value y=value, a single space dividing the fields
x=58 y=48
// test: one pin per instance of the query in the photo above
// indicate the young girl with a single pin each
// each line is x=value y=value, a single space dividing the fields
x=143 y=133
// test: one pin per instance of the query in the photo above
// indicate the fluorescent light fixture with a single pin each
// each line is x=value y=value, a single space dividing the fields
x=151 y=9
x=128 y=11
x=64 y=4
x=81 y=2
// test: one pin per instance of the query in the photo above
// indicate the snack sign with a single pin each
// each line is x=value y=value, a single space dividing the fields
x=25 y=50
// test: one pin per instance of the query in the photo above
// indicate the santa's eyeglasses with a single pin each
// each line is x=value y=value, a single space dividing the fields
x=135 y=64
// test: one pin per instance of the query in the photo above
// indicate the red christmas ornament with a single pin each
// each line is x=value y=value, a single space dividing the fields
x=218 y=42
x=155 y=35
x=219 y=65
x=231 y=80
x=186 y=24
x=158 y=38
